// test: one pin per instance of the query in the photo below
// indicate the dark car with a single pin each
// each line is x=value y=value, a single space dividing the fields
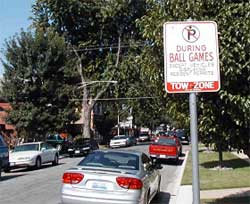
x=4 y=155
x=60 y=143
x=82 y=146
x=181 y=134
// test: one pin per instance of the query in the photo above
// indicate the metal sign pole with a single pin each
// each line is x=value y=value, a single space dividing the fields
x=194 y=143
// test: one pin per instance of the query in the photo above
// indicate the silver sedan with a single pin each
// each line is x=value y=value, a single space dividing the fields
x=112 y=177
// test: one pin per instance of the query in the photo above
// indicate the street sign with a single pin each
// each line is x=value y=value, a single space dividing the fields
x=191 y=57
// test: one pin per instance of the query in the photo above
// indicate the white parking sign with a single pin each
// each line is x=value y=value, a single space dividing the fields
x=191 y=57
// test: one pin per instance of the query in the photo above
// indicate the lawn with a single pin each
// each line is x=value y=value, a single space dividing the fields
x=235 y=175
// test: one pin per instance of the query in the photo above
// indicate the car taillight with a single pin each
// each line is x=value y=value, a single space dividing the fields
x=72 y=178
x=129 y=183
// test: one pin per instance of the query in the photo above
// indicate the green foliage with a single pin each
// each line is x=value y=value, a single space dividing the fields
x=223 y=116
x=38 y=83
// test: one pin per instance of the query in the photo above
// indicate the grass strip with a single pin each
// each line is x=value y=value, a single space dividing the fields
x=236 y=173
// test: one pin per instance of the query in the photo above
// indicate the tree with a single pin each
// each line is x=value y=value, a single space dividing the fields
x=100 y=32
x=38 y=83
x=223 y=116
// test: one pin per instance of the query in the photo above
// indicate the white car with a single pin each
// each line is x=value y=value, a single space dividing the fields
x=119 y=141
x=32 y=155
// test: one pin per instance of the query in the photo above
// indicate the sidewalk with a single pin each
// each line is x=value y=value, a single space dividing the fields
x=185 y=193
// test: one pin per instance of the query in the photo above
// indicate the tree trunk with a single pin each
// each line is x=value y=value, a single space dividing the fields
x=220 y=154
x=86 y=121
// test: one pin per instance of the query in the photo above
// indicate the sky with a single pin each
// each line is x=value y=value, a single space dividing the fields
x=14 y=15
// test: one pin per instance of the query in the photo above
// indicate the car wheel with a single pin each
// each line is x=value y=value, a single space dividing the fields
x=56 y=159
x=38 y=163
x=7 y=170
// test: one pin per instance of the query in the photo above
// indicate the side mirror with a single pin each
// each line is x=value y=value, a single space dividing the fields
x=43 y=149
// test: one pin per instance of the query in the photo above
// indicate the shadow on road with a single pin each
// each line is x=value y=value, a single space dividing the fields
x=171 y=162
x=162 y=197
x=6 y=177
x=27 y=169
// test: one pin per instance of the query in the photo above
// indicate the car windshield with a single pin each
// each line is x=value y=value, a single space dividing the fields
x=82 y=141
x=114 y=160
x=27 y=147
x=144 y=134
x=119 y=137
x=166 y=141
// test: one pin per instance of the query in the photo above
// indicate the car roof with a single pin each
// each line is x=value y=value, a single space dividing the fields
x=135 y=152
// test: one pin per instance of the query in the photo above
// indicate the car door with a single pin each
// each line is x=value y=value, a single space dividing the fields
x=44 y=152
x=151 y=174
x=51 y=152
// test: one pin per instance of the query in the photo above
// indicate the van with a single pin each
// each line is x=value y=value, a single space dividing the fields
x=4 y=155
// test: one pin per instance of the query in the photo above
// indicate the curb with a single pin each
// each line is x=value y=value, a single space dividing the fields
x=182 y=192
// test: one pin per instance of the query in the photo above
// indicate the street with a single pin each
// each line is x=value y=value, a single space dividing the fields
x=43 y=186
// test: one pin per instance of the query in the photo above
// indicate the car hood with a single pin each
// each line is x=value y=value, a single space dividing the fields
x=14 y=155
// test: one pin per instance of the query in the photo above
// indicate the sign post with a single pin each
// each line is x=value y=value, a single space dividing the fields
x=191 y=65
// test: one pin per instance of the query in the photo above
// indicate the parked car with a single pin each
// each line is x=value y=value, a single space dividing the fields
x=82 y=146
x=112 y=176
x=4 y=155
x=143 y=137
x=33 y=154
x=170 y=133
x=60 y=143
x=166 y=148
x=119 y=141
x=181 y=134
x=132 y=140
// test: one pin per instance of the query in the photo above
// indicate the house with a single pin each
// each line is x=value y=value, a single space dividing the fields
x=7 y=130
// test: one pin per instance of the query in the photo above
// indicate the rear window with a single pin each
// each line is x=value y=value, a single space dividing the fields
x=27 y=147
x=82 y=141
x=166 y=141
x=117 y=160
x=119 y=137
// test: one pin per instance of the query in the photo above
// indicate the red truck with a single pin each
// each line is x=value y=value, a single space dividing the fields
x=166 y=148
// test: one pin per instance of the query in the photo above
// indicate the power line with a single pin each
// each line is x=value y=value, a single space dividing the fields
x=100 y=48
x=116 y=99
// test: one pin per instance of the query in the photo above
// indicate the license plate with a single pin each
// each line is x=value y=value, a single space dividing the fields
x=101 y=186
x=162 y=156
x=77 y=151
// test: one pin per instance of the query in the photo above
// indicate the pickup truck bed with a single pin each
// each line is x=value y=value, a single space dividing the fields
x=165 y=148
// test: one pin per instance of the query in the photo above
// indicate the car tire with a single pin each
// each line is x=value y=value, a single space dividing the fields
x=56 y=160
x=38 y=163
x=7 y=170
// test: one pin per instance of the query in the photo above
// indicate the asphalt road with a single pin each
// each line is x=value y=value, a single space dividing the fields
x=42 y=186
